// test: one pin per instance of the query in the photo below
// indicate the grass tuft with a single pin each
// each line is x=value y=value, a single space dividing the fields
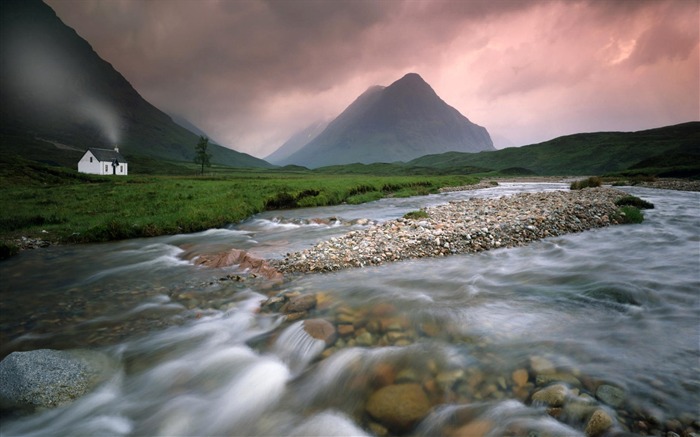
x=592 y=182
x=629 y=215
x=416 y=215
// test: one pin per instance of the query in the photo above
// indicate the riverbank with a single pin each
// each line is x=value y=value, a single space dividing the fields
x=461 y=227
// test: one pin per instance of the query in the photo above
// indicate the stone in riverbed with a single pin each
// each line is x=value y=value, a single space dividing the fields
x=320 y=329
x=546 y=378
x=399 y=407
x=599 y=422
x=520 y=377
x=475 y=428
x=48 y=378
x=554 y=395
x=611 y=395
x=541 y=365
x=303 y=302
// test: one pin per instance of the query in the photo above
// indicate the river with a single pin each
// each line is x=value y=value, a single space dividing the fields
x=615 y=306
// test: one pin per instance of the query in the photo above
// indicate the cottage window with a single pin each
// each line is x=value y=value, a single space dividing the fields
x=91 y=159
x=106 y=168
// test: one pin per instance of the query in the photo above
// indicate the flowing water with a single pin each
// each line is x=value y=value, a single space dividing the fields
x=615 y=306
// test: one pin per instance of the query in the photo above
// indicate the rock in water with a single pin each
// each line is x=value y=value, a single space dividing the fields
x=399 y=407
x=611 y=395
x=321 y=329
x=48 y=378
x=553 y=395
x=599 y=422
x=303 y=302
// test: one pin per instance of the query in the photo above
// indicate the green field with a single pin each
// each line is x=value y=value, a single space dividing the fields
x=63 y=206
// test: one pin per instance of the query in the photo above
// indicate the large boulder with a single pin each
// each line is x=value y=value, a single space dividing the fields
x=399 y=407
x=46 y=378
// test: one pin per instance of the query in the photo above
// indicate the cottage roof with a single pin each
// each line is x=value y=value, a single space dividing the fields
x=107 y=155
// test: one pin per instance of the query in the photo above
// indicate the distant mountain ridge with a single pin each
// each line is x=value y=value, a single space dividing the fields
x=296 y=142
x=400 y=122
x=56 y=89
x=593 y=153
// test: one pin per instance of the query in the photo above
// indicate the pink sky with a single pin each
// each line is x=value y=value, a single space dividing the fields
x=251 y=73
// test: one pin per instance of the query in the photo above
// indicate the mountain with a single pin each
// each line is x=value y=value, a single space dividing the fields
x=57 y=94
x=586 y=153
x=400 y=122
x=296 y=142
x=183 y=122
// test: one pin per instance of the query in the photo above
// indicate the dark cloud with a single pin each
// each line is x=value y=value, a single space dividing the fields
x=253 y=72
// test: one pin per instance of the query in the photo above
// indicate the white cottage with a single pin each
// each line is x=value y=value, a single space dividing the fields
x=104 y=162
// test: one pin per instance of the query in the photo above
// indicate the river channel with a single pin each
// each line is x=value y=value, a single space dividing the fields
x=616 y=306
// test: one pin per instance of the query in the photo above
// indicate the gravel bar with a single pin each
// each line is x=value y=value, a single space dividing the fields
x=460 y=227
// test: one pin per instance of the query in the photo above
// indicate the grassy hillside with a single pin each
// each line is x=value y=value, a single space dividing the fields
x=581 y=154
x=62 y=205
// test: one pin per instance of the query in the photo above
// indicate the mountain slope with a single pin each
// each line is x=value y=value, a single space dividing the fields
x=296 y=142
x=580 y=154
x=55 y=87
x=396 y=123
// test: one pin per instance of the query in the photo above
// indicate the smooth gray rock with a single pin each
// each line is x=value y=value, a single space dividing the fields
x=47 y=378
x=611 y=395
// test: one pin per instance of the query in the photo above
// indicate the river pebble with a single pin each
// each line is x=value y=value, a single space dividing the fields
x=461 y=227
x=399 y=407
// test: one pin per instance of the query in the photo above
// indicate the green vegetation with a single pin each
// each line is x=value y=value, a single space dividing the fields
x=634 y=201
x=591 y=153
x=416 y=215
x=593 y=181
x=629 y=215
x=61 y=205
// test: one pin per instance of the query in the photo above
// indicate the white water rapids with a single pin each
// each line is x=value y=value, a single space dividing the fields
x=618 y=304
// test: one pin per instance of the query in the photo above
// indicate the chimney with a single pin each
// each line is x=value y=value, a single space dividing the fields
x=116 y=149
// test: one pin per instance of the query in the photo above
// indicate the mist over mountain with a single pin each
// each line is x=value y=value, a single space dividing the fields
x=297 y=141
x=57 y=90
x=182 y=121
x=400 y=122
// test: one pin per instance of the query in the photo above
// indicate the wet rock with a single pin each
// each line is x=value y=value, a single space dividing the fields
x=48 y=378
x=303 y=302
x=241 y=258
x=321 y=330
x=520 y=377
x=296 y=316
x=345 y=330
x=399 y=407
x=407 y=375
x=611 y=395
x=475 y=428
x=578 y=409
x=553 y=396
x=541 y=365
x=384 y=374
x=567 y=378
x=365 y=339
x=447 y=379
x=599 y=422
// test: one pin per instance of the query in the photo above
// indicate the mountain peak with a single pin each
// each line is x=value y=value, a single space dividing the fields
x=411 y=81
x=401 y=122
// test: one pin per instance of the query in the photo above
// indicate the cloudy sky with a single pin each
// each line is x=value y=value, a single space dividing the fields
x=251 y=73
